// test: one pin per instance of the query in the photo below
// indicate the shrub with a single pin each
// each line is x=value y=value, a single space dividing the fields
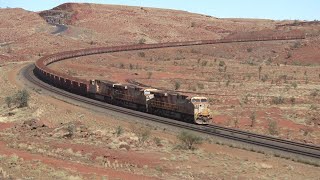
x=222 y=63
x=21 y=98
x=121 y=66
x=260 y=69
x=315 y=92
x=71 y=130
x=278 y=100
x=9 y=101
x=296 y=44
x=294 y=85
x=204 y=63
x=157 y=141
x=264 y=78
x=188 y=140
x=141 y=54
x=292 y=100
x=273 y=127
x=131 y=66
x=253 y=118
x=200 y=86
x=149 y=74
x=227 y=82
x=142 y=41
x=177 y=85
x=143 y=133
x=119 y=131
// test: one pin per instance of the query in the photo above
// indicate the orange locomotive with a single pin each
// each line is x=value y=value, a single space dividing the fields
x=154 y=101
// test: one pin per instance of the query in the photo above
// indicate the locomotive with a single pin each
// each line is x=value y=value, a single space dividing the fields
x=154 y=101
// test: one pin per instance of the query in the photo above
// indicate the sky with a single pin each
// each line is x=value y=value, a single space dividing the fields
x=262 y=9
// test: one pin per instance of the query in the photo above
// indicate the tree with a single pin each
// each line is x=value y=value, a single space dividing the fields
x=188 y=140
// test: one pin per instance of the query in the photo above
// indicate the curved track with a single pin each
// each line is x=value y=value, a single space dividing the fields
x=43 y=72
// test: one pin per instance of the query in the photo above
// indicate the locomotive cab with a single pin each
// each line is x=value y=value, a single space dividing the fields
x=201 y=110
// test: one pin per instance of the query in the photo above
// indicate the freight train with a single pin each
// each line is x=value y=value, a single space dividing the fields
x=154 y=101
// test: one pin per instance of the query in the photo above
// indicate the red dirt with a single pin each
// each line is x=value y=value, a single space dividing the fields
x=83 y=169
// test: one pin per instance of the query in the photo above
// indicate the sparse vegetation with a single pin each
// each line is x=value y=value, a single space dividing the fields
x=253 y=119
x=157 y=141
x=177 y=85
x=294 y=85
x=142 y=41
x=20 y=99
x=200 y=85
x=260 y=69
x=119 y=131
x=9 y=101
x=131 y=66
x=142 y=54
x=188 y=140
x=292 y=100
x=143 y=133
x=264 y=78
x=278 y=100
x=222 y=63
x=315 y=93
x=204 y=63
x=121 y=66
x=273 y=127
x=149 y=74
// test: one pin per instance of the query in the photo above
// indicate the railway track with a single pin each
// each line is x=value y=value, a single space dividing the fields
x=266 y=142
x=295 y=148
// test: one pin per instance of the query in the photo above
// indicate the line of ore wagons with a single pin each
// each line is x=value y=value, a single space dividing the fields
x=80 y=86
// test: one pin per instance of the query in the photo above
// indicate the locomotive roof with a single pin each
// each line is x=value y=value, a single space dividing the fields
x=166 y=93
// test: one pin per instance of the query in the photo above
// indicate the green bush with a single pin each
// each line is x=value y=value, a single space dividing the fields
x=222 y=63
x=200 y=86
x=119 y=131
x=278 y=100
x=141 y=54
x=9 y=101
x=294 y=85
x=143 y=133
x=142 y=41
x=273 y=128
x=21 y=98
x=177 y=85
x=188 y=140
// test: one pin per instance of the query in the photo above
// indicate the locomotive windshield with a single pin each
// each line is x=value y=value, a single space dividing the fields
x=197 y=100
